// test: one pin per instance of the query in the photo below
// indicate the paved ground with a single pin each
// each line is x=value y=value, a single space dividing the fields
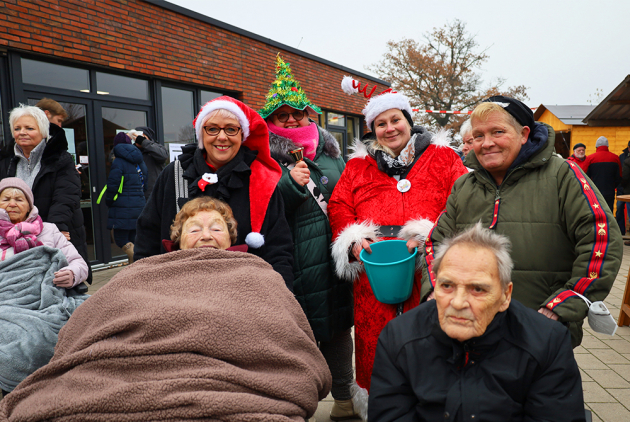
x=604 y=361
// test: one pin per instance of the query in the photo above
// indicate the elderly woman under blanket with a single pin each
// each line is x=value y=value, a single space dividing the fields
x=202 y=332
x=36 y=263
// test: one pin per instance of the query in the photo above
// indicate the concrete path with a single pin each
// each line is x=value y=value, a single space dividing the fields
x=604 y=361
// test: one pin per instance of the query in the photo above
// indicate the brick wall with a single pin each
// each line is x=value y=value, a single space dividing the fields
x=141 y=37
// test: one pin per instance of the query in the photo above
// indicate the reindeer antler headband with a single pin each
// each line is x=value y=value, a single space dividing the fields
x=384 y=101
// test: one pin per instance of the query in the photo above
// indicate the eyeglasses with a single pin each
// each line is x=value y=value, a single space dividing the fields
x=215 y=130
x=297 y=115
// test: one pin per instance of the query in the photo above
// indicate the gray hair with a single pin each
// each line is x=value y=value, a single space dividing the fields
x=480 y=237
x=466 y=128
x=36 y=113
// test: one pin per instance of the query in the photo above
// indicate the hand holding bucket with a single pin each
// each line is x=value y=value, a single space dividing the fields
x=390 y=268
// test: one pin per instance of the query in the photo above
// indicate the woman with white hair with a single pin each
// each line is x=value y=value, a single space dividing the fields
x=230 y=162
x=43 y=162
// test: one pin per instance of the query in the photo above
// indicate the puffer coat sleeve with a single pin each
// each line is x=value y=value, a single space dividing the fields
x=51 y=236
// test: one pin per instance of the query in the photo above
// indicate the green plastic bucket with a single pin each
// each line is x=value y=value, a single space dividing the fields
x=391 y=269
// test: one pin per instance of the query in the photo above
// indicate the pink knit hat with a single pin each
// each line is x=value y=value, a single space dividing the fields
x=15 y=182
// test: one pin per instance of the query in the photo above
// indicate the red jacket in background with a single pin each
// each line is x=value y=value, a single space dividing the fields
x=581 y=163
x=604 y=169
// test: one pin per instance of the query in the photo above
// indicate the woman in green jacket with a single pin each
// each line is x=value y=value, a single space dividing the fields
x=306 y=186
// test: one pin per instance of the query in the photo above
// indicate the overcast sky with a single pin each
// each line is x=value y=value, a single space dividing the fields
x=563 y=51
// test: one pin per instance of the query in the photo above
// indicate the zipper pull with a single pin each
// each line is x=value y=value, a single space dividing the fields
x=495 y=213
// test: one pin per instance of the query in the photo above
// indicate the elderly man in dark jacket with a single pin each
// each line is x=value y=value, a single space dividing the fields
x=565 y=239
x=472 y=354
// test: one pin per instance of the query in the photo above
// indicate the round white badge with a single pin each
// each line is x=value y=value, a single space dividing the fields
x=403 y=185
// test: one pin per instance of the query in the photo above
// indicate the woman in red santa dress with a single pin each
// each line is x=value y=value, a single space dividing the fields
x=394 y=186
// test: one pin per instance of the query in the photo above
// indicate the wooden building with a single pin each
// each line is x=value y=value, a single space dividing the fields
x=584 y=124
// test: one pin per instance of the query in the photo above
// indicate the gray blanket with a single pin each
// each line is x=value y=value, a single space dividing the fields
x=32 y=311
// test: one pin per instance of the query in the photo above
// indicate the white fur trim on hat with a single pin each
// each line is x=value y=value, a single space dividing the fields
x=352 y=234
x=216 y=105
x=385 y=102
x=255 y=240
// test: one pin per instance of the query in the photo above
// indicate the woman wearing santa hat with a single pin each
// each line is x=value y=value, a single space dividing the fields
x=393 y=187
x=230 y=162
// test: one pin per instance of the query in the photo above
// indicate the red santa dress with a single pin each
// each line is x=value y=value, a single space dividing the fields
x=366 y=198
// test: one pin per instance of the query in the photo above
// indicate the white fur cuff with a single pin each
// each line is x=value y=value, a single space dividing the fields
x=417 y=230
x=352 y=234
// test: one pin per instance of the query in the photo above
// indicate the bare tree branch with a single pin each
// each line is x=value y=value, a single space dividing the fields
x=442 y=73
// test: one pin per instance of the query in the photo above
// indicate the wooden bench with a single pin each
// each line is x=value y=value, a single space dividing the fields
x=624 y=313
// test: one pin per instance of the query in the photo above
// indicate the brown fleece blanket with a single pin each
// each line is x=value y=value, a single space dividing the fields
x=199 y=334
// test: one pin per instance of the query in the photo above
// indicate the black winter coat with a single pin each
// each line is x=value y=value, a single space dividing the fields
x=155 y=157
x=233 y=188
x=325 y=299
x=57 y=190
x=521 y=369
x=124 y=211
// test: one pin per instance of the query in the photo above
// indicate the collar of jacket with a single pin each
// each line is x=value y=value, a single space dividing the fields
x=602 y=148
x=538 y=158
x=477 y=348
x=280 y=146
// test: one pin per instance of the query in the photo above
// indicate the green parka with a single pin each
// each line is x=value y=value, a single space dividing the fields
x=564 y=237
x=325 y=299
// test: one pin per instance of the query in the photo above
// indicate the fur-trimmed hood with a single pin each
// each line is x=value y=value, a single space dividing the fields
x=362 y=148
x=280 y=146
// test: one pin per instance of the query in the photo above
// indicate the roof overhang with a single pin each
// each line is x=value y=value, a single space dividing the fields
x=614 y=110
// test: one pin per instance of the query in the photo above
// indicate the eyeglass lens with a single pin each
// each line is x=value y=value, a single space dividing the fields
x=215 y=130
x=297 y=115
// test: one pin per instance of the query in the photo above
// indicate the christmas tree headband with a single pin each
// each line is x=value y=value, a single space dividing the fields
x=285 y=90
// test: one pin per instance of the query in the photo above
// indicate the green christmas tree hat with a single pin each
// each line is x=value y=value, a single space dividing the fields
x=285 y=91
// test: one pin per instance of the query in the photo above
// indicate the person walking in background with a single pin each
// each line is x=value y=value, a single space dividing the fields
x=620 y=215
x=604 y=169
x=155 y=156
x=56 y=115
x=579 y=156
x=126 y=185
x=306 y=186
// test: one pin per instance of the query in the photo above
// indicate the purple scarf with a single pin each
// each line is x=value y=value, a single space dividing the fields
x=21 y=236
x=303 y=136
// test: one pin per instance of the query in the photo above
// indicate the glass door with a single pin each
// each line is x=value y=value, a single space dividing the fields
x=112 y=120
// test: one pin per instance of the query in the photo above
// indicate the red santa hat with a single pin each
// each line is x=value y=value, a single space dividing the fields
x=266 y=171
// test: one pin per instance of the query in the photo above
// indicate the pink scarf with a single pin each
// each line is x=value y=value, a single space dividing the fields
x=20 y=236
x=306 y=137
